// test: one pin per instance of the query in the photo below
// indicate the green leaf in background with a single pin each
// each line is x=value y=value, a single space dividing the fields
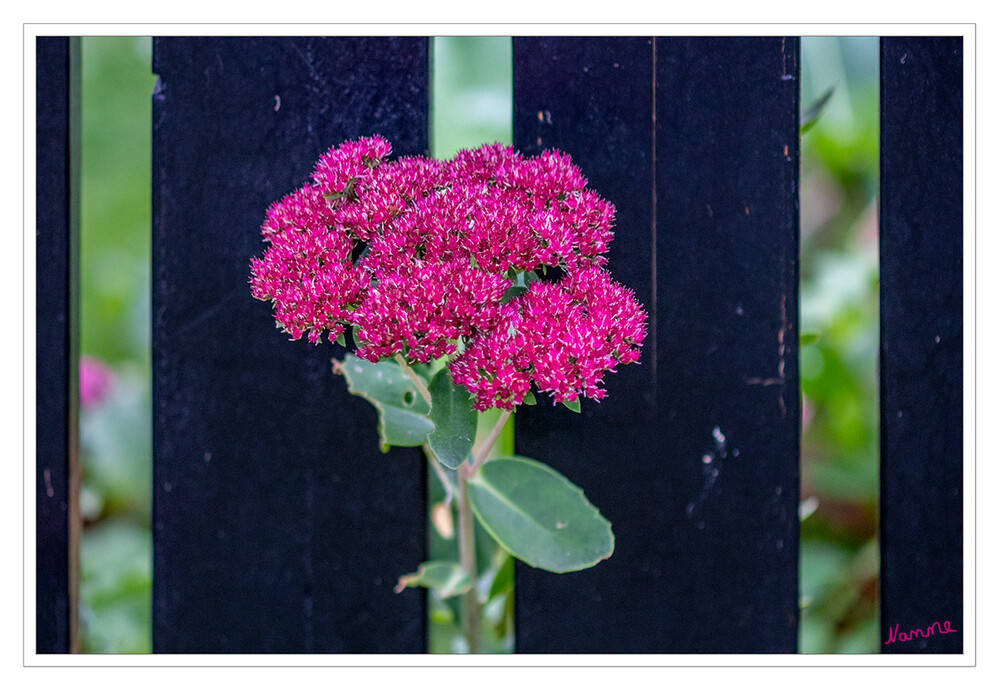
x=402 y=411
x=115 y=198
x=114 y=326
x=446 y=578
x=812 y=114
x=454 y=420
x=503 y=580
x=538 y=515
x=115 y=452
x=115 y=588
x=809 y=338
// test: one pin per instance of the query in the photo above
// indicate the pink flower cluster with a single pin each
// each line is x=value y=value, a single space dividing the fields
x=96 y=382
x=420 y=257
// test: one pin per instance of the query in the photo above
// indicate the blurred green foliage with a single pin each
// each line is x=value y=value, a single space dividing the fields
x=115 y=199
x=839 y=558
x=839 y=302
x=471 y=99
x=115 y=550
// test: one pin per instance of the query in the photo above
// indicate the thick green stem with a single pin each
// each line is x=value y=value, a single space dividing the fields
x=470 y=608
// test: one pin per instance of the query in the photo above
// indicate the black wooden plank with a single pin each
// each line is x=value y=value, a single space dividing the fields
x=279 y=526
x=921 y=342
x=56 y=368
x=728 y=251
x=694 y=454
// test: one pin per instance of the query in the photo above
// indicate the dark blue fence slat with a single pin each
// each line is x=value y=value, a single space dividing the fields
x=694 y=454
x=57 y=202
x=278 y=525
x=921 y=342
x=728 y=251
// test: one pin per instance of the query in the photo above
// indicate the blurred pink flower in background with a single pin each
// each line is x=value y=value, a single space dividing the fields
x=96 y=380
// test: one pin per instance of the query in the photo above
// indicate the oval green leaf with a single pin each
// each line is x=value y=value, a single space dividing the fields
x=538 y=515
x=572 y=405
x=448 y=579
x=402 y=411
x=454 y=420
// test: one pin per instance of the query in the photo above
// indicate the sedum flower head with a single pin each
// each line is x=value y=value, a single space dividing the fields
x=491 y=259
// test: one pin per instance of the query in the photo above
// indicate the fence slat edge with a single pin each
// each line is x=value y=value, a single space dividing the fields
x=57 y=345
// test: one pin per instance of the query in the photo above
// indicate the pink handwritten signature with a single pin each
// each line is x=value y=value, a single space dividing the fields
x=895 y=636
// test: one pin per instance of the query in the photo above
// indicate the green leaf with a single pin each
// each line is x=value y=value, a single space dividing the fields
x=810 y=116
x=402 y=411
x=572 y=404
x=809 y=338
x=529 y=399
x=513 y=291
x=538 y=515
x=446 y=578
x=454 y=420
x=503 y=580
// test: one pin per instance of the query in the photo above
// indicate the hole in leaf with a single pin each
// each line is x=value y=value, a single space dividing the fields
x=408 y=397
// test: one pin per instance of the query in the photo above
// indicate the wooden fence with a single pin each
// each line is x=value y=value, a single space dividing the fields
x=277 y=524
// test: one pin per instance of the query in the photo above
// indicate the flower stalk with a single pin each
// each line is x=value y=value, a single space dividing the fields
x=449 y=488
x=471 y=610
